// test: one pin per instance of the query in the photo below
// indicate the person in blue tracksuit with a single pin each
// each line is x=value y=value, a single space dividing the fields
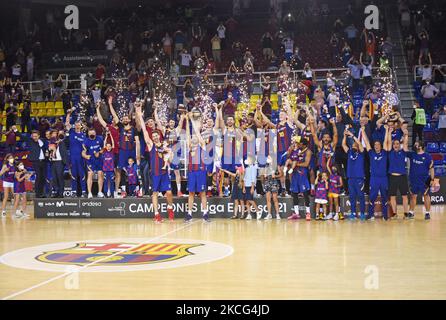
x=378 y=172
x=77 y=139
x=355 y=173
x=421 y=176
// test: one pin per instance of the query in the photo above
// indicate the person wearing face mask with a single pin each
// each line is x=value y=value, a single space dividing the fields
x=58 y=158
x=421 y=177
x=355 y=173
x=92 y=153
x=7 y=172
x=21 y=175
x=429 y=92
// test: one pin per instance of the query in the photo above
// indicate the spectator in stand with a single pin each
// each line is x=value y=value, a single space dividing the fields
x=440 y=115
x=409 y=43
x=11 y=115
x=16 y=72
x=110 y=44
x=11 y=140
x=369 y=42
x=429 y=93
x=267 y=46
x=237 y=51
x=196 y=46
x=419 y=122
x=221 y=32
x=346 y=54
x=439 y=78
x=167 y=45
x=352 y=35
x=334 y=45
x=423 y=36
x=284 y=68
x=216 y=48
x=288 y=43
x=231 y=28
x=179 y=38
x=387 y=47
x=30 y=67
x=25 y=119
x=355 y=71
x=58 y=84
x=185 y=62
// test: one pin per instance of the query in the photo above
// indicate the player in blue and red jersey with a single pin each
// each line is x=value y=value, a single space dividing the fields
x=131 y=171
x=209 y=134
x=128 y=143
x=196 y=177
x=326 y=146
x=159 y=177
x=113 y=129
x=171 y=135
x=108 y=165
x=230 y=157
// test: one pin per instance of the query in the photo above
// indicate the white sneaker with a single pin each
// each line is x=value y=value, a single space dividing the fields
x=329 y=216
x=24 y=215
x=3 y=214
x=108 y=194
x=249 y=217
x=290 y=171
x=259 y=215
x=336 y=217
x=115 y=194
x=17 y=215
x=278 y=217
x=90 y=195
x=268 y=216
x=100 y=195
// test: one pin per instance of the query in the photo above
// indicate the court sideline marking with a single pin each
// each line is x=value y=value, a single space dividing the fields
x=97 y=261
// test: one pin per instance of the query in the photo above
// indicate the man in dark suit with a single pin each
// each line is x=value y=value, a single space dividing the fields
x=58 y=156
x=38 y=148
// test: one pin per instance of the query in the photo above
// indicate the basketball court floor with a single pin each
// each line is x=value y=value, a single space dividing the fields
x=223 y=259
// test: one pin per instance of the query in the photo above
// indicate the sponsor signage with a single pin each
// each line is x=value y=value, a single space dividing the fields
x=138 y=207
x=76 y=59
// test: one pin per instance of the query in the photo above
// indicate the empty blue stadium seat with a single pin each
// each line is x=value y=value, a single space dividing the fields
x=443 y=147
x=432 y=147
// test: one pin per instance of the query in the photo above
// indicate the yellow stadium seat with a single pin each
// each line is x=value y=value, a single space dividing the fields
x=21 y=106
x=34 y=112
x=59 y=112
x=33 y=105
x=49 y=105
x=42 y=113
x=41 y=105
x=50 y=112
x=59 y=105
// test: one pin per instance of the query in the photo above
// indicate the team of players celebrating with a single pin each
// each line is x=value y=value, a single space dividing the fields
x=256 y=156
